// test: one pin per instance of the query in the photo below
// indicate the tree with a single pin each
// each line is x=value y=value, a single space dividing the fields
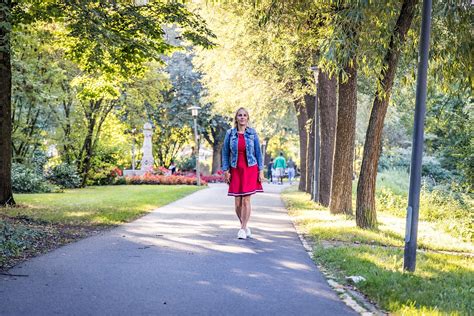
x=217 y=126
x=365 y=210
x=341 y=189
x=328 y=110
x=343 y=25
x=112 y=37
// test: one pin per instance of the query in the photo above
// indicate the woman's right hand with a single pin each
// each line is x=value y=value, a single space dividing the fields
x=227 y=177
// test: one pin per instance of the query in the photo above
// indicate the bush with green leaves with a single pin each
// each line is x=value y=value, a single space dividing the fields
x=443 y=204
x=26 y=180
x=395 y=159
x=103 y=166
x=432 y=168
x=38 y=161
x=64 y=175
x=187 y=163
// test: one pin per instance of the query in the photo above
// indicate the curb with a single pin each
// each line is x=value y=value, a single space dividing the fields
x=351 y=297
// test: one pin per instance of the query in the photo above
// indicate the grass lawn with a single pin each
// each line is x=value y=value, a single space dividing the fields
x=41 y=222
x=444 y=277
x=101 y=205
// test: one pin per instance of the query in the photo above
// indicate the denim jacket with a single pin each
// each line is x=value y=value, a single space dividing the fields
x=252 y=148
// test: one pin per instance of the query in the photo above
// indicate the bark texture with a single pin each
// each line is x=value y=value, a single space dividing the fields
x=327 y=92
x=309 y=104
x=366 y=216
x=216 y=157
x=341 y=194
x=302 y=117
x=6 y=193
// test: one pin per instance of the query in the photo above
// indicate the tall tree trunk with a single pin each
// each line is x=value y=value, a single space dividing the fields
x=87 y=152
x=366 y=216
x=309 y=104
x=328 y=114
x=302 y=117
x=216 y=156
x=6 y=194
x=341 y=194
x=266 y=155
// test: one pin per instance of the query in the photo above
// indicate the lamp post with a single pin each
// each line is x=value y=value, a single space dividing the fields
x=411 y=233
x=194 y=111
x=133 y=149
x=264 y=144
x=316 y=138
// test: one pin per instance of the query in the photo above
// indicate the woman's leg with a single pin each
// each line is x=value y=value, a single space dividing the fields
x=238 y=207
x=246 y=210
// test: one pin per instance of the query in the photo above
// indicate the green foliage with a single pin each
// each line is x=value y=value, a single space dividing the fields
x=103 y=164
x=171 y=118
x=450 y=129
x=323 y=226
x=26 y=180
x=64 y=175
x=16 y=239
x=254 y=68
x=115 y=37
x=35 y=79
x=444 y=205
x=186 y=163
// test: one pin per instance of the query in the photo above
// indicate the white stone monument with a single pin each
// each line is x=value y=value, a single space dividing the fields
x=147 y=158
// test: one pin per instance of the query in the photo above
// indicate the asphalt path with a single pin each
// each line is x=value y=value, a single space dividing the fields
x=181 y=259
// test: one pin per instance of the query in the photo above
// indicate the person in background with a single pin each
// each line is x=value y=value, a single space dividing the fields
x=280 y=165
x=172 y=167
x=269 y=171
x=291 y=170
x=242 y=164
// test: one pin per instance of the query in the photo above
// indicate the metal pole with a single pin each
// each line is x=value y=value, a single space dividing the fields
x=316 y=138
x=417 y=148
x=198 y=175
x=133 y=152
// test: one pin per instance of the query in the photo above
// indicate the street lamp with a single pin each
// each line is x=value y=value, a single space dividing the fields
x=194 y=111
x=264 y=145
x=316 y=135
x=134 y=130
x=409 y=257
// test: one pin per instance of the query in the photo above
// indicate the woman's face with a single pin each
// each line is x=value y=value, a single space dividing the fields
x=242 y=118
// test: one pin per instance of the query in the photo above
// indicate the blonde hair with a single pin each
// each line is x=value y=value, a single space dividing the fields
x=236 y=123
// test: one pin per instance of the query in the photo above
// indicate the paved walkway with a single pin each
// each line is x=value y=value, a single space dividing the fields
x=182 y=259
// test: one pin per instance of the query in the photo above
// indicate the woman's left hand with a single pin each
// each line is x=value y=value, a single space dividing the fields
x=261 y=178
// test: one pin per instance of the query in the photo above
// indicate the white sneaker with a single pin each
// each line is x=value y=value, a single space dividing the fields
x=248 y=232
x=241 y=234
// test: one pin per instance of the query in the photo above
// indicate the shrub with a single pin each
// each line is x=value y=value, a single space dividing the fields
x=214 y=178
x=120 y=181
x=186 y=163
x=432 y=168
x=102 y=175
x=442 y=204
x=38 y=161
x=396 y=159
x=164 y=180
x=64 y=175
x=15 y=239
x=26 y=180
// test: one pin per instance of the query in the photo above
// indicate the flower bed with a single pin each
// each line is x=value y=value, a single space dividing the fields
x=164 y=180
x=215 y=178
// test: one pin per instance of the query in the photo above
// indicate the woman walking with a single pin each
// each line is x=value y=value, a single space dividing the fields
x=243 y=167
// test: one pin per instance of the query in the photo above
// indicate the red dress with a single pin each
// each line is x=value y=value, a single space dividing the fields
x=243 y=179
